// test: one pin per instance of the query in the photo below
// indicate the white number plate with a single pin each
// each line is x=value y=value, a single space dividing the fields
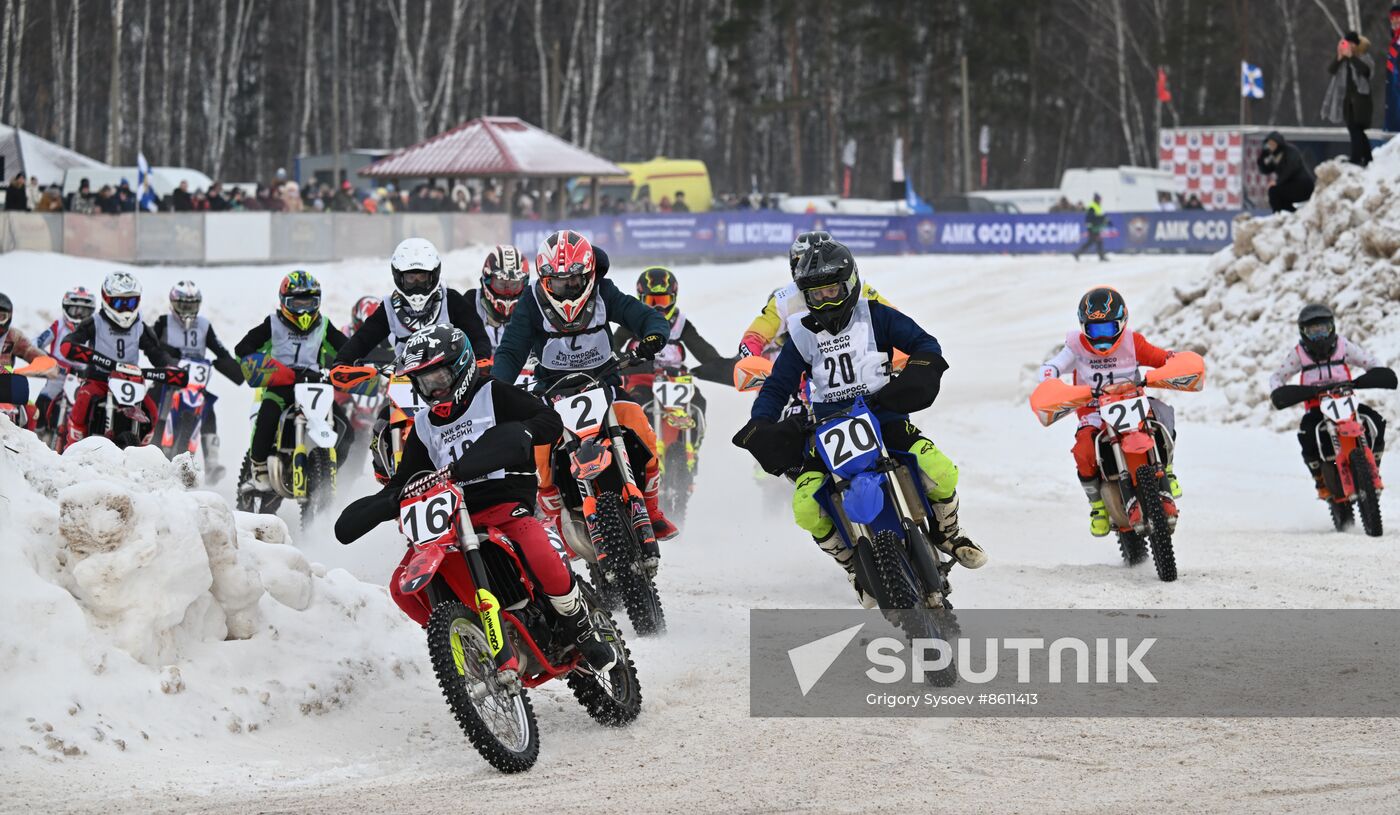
x=427 y=520
x=1126 y=415
x=583 y=411
x=199 y=372
x=315 y=399
x=403 y=394
x=1339 y=409
x=843 y=442
x=673 y=394
x=126 y=392
x=526 y=380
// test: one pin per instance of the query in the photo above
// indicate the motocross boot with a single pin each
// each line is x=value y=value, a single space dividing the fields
x=663 y=529
x=968 y=554
x=213 y=470
x=1172 y=484
x=1099 y=525
x=1319 y=483
x=845 y=556
x=580 y=632
x=258 y=480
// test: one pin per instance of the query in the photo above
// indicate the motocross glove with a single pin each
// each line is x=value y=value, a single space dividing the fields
x=1382 y=378
x=650 y=345
x=776 y=446
x=915 y=388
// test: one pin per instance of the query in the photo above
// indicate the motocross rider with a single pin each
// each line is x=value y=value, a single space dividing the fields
x=77 y=305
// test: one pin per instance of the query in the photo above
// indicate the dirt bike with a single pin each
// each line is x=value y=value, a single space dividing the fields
x=492 y=635
x=605 y=519
x=55 y=434
x=184 y=411
x=302 y=467
x=1350 y=471
x=1132 y=448
x=679 y=425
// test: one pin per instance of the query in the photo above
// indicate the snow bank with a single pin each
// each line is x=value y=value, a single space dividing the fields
x=138 y=611
x=1342 y=248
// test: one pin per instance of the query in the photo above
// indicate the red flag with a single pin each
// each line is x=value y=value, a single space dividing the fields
x=1163 y=95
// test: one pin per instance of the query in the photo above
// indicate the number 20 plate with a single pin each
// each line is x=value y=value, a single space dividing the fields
x=847 y=445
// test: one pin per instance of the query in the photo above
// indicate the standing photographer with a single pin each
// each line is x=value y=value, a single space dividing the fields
x=1348 y=99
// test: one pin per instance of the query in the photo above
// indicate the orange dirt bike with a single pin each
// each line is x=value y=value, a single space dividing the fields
x=605 y=519
x=492 y=634
x=1344 y=437
x=1133 y=449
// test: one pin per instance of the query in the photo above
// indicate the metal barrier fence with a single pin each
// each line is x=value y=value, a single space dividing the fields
x=241 y=237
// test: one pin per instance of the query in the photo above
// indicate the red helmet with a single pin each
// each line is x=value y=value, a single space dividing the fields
x=567 y=267
x=364 y=307
x=503 y=279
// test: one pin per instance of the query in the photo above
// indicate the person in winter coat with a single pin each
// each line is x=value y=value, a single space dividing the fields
x=181 y=200
x=17 y=195
x=1392 y=73
x=1094 y=223
x=1293 y=180
x=1348 y=99
x=291 y=197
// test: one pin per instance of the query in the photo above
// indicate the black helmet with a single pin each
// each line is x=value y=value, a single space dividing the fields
x=804 y=242
x=657 y=288
x=439 y=362
x=830 y=284
x=7 y=312
x=1317 y=331
x=1103 y=317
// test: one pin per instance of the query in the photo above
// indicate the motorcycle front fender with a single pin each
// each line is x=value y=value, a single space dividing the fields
x=421 y=568
x=320 y=432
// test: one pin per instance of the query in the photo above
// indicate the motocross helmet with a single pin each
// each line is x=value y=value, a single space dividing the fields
x=364 y=307
x=1317 y=331
x=78 y=305
x=1103 y=317
x=439 y=362
x=567 y=269
x=7 y=313
x=121 y=298
x=830 y=284
x=804 y=242
x=417 y=273
x=503 y=278
x=185 y=299
x=300 y=299
x=657 y=288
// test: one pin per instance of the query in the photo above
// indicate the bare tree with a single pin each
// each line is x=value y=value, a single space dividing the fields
x=308 y=87
x=114 y=93
x=141 y=77
x=185 y=80
x=16 y=113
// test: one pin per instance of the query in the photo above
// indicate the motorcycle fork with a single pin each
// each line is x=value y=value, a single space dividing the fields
x=631 y=493
x=299 y=458
x=488 y=608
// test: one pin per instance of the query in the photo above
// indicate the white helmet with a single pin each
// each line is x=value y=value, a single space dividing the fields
x=185 y=300
x=121 y=298
x=417 y=273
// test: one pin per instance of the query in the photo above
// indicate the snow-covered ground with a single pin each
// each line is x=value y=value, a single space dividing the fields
x=376 y=734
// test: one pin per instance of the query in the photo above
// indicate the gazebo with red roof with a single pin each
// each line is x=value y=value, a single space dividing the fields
x=503 y=147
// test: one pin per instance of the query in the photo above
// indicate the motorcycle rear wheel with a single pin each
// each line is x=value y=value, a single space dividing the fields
x=499 y=724
x=1368 y=498
x=1160 y=534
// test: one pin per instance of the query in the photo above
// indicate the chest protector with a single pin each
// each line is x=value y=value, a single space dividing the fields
x=1324 y=372
x=58 y=331
x=399 y=332
x=844 y=365
x=299 y=351
x=673 y=355
x=1120 y=365
x=447 y=443
x=191 y=342
x=581 y=351
x=120 y=344
x=494 y=332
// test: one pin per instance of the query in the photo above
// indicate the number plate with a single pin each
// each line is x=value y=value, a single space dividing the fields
x=198 y=371
x=583 y=412
x=673 y=394
x=429 y=517
x=1126 y=415
x=127 y=393
x=1339 y=408
x=315 y=399
x=848 y=445
x=404 y=396
x=526 y=380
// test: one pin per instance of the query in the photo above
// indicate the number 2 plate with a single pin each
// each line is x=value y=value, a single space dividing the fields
x=1126 y=415
x=584 y=411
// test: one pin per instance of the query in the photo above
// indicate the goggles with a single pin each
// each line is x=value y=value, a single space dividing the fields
x=661 y=301
x=434 y=383
x=506 y=288
x=78 y=313
x=1103 y=331
x=825 y=296
x=129 y=303
x=301 y=303
x=1317 y=331
x=567 y=288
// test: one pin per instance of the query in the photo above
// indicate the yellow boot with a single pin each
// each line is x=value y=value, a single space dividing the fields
x=1172 y=483
x=1099 y=525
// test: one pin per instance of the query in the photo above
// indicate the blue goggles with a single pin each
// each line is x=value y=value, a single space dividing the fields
x=1317 y=331
x=1103 y=331
x=124 y=303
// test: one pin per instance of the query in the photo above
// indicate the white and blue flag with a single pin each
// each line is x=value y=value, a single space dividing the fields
x=147 y=199
x=1251 y=81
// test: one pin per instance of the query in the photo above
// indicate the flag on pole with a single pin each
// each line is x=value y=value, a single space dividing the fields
x=1251 y=81
x=916 y=204
x=1164 y=95
x=147 y=200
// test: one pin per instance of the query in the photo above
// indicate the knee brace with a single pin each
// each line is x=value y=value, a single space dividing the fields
x=940 y=473
x=806 y=512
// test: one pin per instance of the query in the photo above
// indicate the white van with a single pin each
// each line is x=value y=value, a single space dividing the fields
x=1123 y=189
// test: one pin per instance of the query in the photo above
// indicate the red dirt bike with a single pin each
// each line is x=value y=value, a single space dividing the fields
x=1349 y=468
x=492 y=634
x=1133 y=450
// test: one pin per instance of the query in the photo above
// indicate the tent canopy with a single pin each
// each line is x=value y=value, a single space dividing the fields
x=24 y=151
x=492 y=146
